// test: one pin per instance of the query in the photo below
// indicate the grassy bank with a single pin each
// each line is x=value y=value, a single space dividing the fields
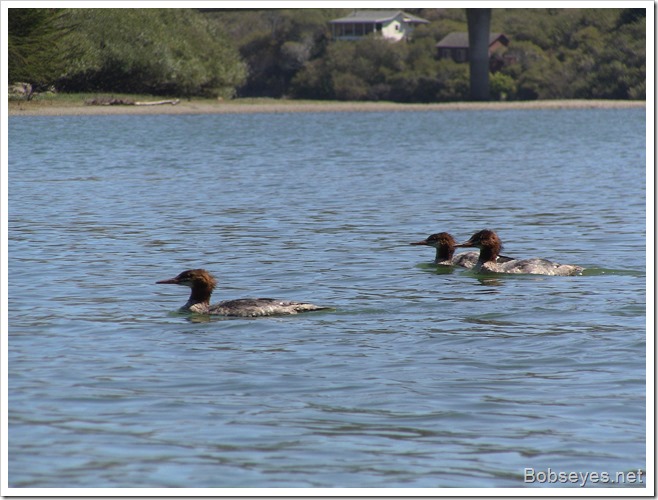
x=74 y=104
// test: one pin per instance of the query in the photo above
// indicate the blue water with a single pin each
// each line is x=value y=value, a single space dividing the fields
x=420 y=377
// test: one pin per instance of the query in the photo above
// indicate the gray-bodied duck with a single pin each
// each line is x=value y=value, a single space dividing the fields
x=202 y=284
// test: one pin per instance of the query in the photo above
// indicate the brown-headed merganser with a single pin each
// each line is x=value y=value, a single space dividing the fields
x=490 y=245
x=445 y=246
x=202 y=284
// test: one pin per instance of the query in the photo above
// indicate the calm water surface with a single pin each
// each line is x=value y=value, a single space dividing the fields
x=420 y=378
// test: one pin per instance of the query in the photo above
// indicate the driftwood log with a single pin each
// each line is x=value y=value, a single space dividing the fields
x=173 y=102
x=112 y=101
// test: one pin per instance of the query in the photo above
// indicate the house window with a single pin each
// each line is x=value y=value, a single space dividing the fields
x=378 y=27
x=460 y=55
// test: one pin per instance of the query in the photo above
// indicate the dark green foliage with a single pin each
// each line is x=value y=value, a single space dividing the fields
x=576 y=53
x=276 y=44
x=374 y=69
x=558 y=53
x=154 y=51
x=34 y=38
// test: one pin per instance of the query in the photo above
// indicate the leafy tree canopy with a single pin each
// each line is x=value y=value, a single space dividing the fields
x=553 y=53
x=33 y=46
x=158 y=51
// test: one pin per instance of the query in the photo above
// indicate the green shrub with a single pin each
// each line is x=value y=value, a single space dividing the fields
x=156 y=51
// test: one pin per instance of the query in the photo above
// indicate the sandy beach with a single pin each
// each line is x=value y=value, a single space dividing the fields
x=281 y=106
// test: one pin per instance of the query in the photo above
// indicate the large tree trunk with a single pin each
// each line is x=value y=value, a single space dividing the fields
x=479 y=21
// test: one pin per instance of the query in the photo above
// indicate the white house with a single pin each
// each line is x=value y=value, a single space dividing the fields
x=391 y=24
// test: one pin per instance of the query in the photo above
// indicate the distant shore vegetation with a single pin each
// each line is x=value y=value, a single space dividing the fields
x=288 y=53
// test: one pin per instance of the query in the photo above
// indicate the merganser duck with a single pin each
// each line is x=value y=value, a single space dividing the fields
x=202 y=284
x=489 y=244
x=445 y=246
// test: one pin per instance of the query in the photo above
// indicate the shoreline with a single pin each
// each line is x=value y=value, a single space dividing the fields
x=282 y=106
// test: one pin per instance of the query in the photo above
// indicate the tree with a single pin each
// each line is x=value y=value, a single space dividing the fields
x=502 y=86
x=479 y=21
x=156 y=51
x=275 y=44
x=33 y=46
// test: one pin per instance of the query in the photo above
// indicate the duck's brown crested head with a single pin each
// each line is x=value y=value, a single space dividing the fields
x=437 y=240
x=443 y=242
x=194 y=278
x=487 y=241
